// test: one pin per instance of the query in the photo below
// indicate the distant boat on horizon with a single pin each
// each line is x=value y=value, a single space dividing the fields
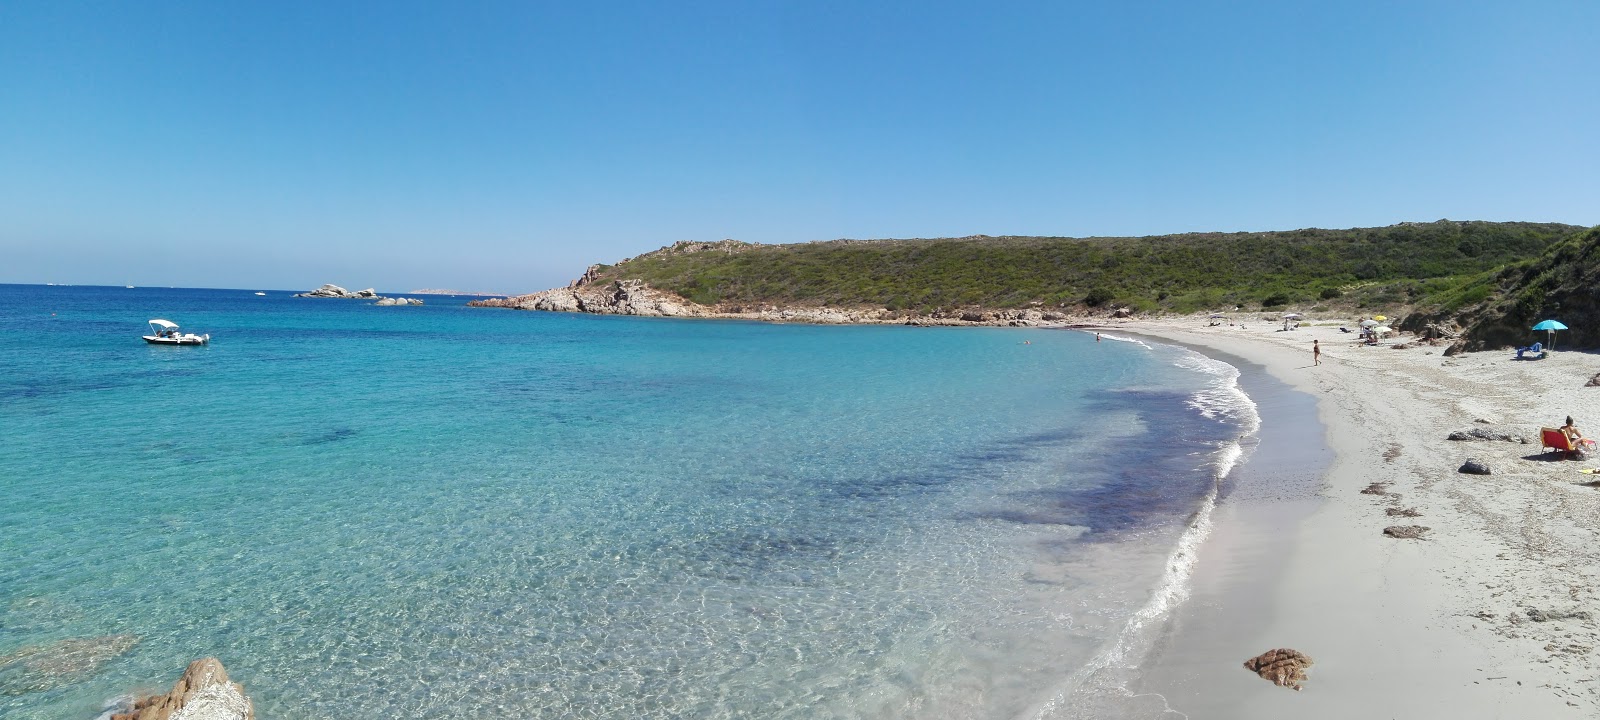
x=130 y=287
x=262 y=294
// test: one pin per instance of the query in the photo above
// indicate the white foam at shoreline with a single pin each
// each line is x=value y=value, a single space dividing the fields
x=1104 y=676
x=1119 y=338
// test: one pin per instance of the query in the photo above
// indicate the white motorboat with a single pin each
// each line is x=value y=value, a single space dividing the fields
x=262 y=294
x=166 y=332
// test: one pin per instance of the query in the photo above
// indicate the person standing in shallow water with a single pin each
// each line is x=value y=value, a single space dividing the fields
x=1316 y=353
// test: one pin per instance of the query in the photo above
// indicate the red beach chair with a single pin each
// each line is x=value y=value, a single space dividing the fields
x=1557 y=440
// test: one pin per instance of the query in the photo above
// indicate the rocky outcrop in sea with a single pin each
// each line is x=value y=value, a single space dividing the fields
x=388 y=301
x=202 y=693
x=634 y=297
x=339 y=293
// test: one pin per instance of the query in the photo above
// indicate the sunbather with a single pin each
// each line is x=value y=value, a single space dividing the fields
x=1577 y=438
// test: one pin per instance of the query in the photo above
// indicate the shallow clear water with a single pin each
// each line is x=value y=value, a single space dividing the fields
x=450 y=512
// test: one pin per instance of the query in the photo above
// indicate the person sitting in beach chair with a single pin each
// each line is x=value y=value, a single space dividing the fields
x=1558 y=441
x=1576 y=437
x=1536 y=350
x=1566 y=440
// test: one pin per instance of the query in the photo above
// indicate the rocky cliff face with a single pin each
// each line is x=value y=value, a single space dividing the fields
x=203 y=693
x=633 y=297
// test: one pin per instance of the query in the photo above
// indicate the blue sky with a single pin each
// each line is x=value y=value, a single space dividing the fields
x=505 y=146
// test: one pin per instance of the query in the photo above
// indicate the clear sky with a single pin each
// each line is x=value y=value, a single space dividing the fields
x=505 y=146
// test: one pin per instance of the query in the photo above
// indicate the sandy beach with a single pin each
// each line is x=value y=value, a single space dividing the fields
x=1490 y=614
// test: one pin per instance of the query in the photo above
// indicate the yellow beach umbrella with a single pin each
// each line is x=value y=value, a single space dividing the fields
x=1379 y=317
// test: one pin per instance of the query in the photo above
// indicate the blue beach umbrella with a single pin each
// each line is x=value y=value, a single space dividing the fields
x=1550 y=327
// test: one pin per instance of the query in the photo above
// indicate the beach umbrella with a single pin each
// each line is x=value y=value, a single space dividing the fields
x=1369 y=323
x=1379 y=317
x=1385 y=329
x=1550 y=327
x=1290 y=316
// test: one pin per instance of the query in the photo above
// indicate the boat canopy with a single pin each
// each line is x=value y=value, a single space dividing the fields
x=164 y=323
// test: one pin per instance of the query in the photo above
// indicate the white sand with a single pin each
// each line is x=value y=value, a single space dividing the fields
x=1402 y=628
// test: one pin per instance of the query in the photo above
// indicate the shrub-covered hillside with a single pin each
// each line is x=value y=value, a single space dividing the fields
x=1497 y=308
x=1179 y=273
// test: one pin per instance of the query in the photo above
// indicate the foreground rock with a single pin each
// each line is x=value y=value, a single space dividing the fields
x=1483 y=434
x=334 y=291
x=1406 y=532
x=203 y=693
x=1283 y=666
x=1473 y=467
x=634 y=297
x=1537 y=615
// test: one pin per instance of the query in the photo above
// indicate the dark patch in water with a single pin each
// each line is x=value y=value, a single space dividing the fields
x=765 y=555
x=44 y=386
x=330 y=436
x=1155 y=476
x=962 y=466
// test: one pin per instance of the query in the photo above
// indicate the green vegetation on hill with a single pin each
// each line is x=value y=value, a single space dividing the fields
x=1496 y=308
x=1179 y=273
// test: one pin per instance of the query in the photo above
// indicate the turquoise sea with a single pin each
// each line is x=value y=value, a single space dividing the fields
x=450 y=512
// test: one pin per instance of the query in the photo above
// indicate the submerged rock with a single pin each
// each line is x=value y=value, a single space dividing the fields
x=1283 y=666
x=37 y=668
x=203 y=693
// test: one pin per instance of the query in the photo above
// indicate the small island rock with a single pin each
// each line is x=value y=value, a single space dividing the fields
x=334 y=291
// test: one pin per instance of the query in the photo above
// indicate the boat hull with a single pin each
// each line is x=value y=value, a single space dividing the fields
x=189 y=340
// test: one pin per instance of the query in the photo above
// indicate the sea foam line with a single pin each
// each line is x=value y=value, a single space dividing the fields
x=1120 y=338
x=1223 y=398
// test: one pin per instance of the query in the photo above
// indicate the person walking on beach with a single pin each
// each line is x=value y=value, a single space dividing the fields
x=1316 y=353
